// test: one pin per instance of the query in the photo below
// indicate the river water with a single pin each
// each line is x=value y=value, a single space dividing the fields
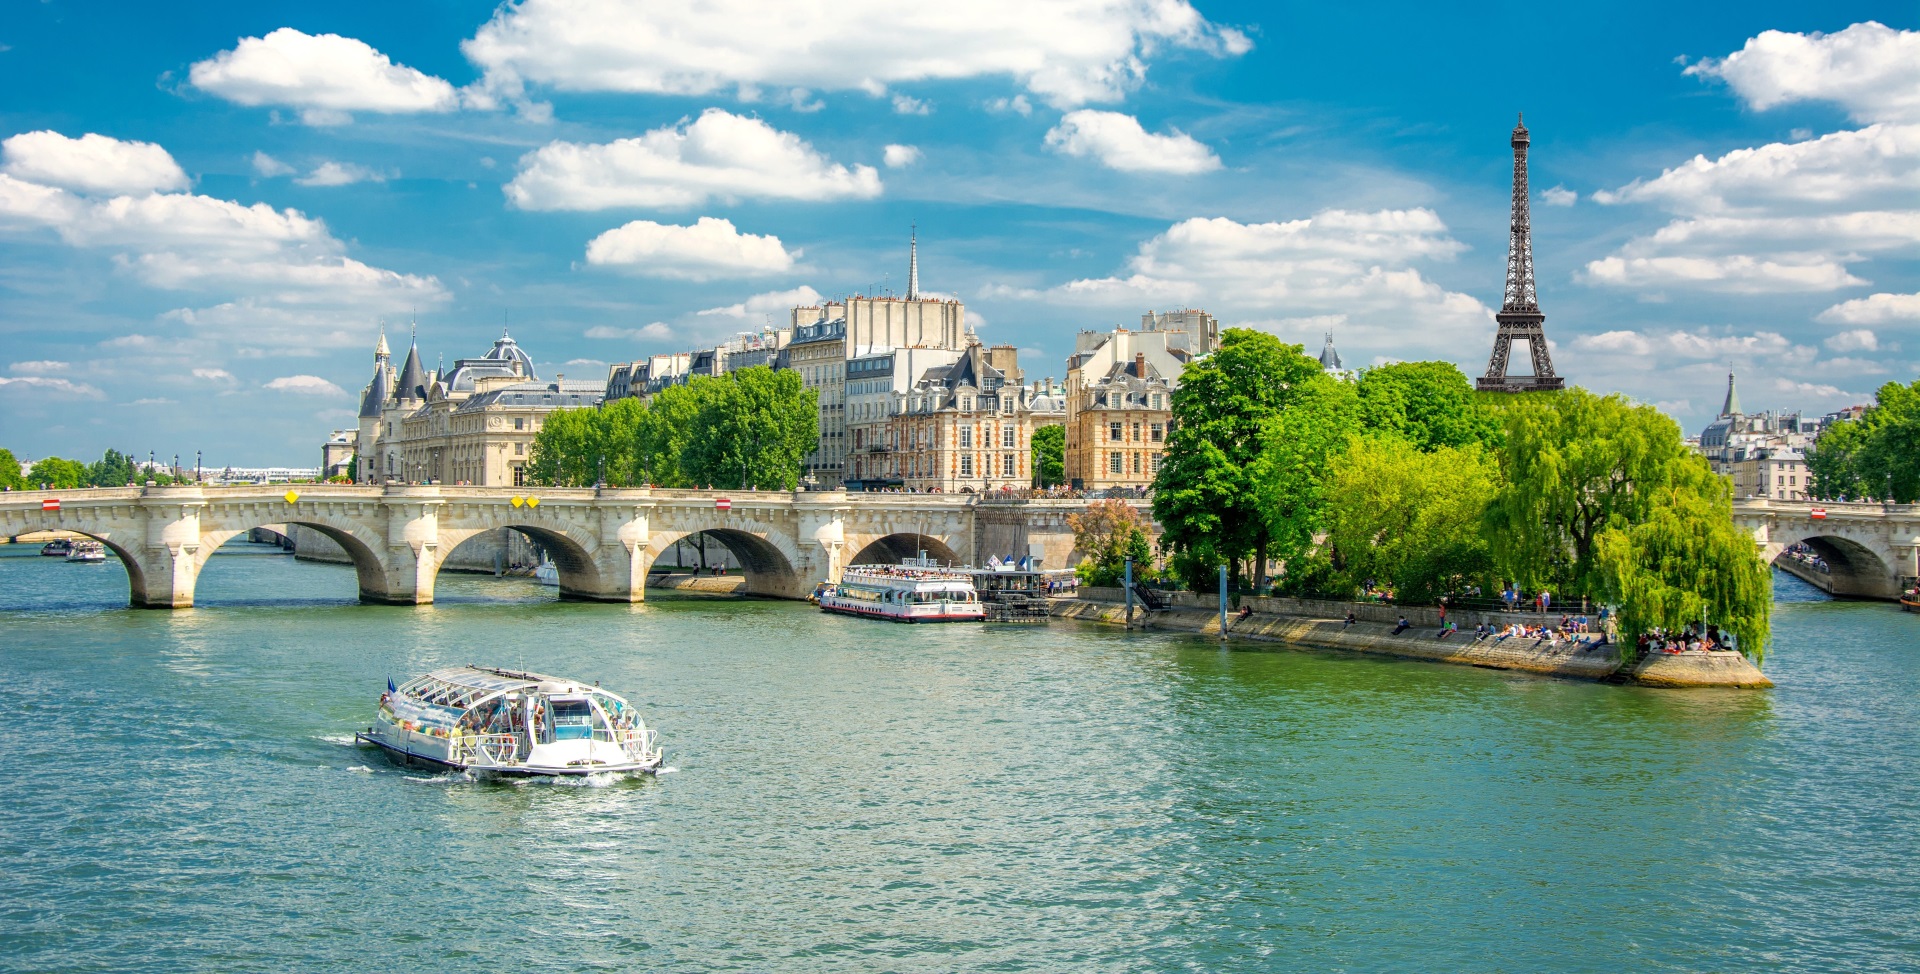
x=178 y=791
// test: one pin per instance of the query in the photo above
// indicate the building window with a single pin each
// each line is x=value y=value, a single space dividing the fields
x=1157 y=401
x=1114 y=432
x=1159 y=432
x=966 y=437
x=1153 y=465
x=519 y=449
x=1114 y=460
x=519 y=475
x=1136 y=432
x=1009 y=436
x=1006 y=465
x=519 y=423
x=966 y=466
x=1136 y=463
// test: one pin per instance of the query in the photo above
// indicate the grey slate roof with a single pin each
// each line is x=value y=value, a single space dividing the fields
x=378 y=390
x=413 y=378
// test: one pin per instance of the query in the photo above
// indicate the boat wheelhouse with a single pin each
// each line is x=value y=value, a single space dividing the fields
x=504 y=723
x=917 y=591
x=1015 y=594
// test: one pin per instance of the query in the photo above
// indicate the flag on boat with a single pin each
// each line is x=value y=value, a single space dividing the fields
x=390 y=687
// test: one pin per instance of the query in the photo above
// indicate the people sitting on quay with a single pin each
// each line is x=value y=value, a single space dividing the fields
x=1402 y=627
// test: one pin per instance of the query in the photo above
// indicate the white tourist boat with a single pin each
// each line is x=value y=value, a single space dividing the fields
x=916 y=591
x=503 y=723
x=87 y=552
x=547 y=573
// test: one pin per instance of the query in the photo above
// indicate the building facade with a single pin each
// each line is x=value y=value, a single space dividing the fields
x=1119 y=398
x=1763 y=453
x=962 y=427
x=472 y=424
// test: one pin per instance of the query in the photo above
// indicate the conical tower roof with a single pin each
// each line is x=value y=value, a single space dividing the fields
x=413 y=378
x=1329 y=359
x=1732 y=406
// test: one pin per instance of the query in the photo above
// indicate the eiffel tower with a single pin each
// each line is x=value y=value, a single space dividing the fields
x=1520 y=316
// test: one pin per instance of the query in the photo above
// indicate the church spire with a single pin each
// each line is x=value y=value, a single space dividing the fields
x=1732 y=406
x=380 y=352
x=913 y=264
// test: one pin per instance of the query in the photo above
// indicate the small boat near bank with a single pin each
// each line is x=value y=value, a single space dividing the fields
x=57 y=548
x=87 y=553
x=917 y=590
x=503 y=723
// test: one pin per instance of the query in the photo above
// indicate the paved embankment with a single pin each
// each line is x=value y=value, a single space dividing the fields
x=712 y=584
x=1320 y=624
x=1806 y=573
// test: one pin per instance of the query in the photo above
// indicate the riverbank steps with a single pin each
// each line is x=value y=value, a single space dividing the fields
x=1306 y=622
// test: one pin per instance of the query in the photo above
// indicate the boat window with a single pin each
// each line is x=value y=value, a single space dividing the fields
x=572 y=719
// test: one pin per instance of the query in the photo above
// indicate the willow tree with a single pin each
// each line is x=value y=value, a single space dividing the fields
x=1685 y=561
x=1572 y=465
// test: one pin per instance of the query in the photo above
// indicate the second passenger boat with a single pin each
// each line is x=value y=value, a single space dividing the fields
x=915 y=591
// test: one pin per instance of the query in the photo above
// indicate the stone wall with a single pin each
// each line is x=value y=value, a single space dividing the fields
x=1320 y=624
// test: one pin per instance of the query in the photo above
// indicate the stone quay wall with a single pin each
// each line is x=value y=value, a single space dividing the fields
x=1320 y=624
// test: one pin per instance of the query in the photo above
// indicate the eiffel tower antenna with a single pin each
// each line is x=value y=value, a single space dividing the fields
x=1519 y=316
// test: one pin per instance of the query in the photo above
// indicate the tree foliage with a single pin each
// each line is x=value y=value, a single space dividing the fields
x=1108 y=533
x=1574 y=464
x=1410 y=518
x=10 y=478
x=57 y=473
x=1205 y=495
x=1299 y=445
x=1049 y=449
x=1429 y=404
x=749 y=429
x=1684 y=561
x=1877 y=455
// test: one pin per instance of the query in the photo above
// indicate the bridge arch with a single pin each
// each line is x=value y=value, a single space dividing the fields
x=894 y=548
x=1853 y=567
x=581 y=574
x=769 y=560
x=370 y=573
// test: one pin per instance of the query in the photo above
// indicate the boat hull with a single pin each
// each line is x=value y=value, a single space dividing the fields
x=407 y=759
x=975 y=615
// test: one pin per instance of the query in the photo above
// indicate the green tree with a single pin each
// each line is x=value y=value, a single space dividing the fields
x=1204 y=495
x=10 y=478
x=1685 y=561
x=57 y=474
x=754 y=429
x=1877 y=455
x=1290 y=476
x=1430 y=404
x=1108 y=533
x=113 y=469
x=1574 y=464
x=566 y=449
x=1050 y=456
x=1410 y=518
x=664 y=433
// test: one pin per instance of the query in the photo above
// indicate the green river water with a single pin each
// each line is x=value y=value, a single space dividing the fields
x=179 y=792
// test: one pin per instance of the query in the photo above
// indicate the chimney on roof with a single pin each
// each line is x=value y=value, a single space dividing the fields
x=1140 y=365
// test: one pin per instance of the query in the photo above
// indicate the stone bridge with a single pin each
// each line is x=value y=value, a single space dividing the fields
x=1870 y=549
x=603 y=541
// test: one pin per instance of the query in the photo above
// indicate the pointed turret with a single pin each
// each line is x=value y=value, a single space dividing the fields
x=913 y=264
x=1329 y=359
x=381 y=385
x=1732 y=406
x=413 y=377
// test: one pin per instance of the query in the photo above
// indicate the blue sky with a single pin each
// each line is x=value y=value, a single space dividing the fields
x=205 y=212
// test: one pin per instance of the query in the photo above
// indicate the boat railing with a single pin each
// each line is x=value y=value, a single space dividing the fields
x=493 y=748
x=638 y=742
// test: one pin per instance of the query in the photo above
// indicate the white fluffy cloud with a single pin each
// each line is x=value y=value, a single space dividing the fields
x=1790 y=216
x=280 y=278
x=1068 y=52
x=776 y=303
x=40 y=367
x=909 y=105
x=268 y=167
x=1857 y=340
x=710 y=248
x=332 y=173
x=305 y=385
x=1874 y=309
x=1559 y=196
x=1701 y=345
x=719 y=155
x=1870 y=69
x=658 y=331
x=1118 y=142
x=899 y=156
x=325 y=76
x=42 y=384
x=1338 y=270
x=91 y=163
